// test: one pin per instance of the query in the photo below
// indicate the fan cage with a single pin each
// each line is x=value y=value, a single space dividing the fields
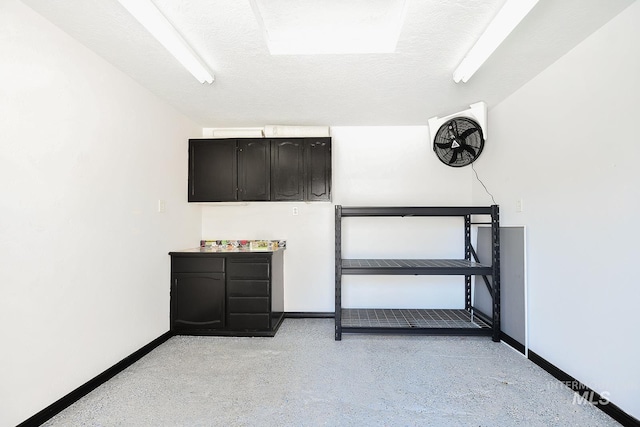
x=458 y=142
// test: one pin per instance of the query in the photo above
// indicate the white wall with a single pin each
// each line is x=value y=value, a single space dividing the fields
x=371 y=166
x=85 y=155
x=567 y=144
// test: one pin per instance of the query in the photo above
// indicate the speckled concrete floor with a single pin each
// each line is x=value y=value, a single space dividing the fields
x=302 y=377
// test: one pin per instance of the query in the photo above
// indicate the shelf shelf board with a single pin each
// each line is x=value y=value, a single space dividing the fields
x=414 y=267
x=347 y=211
x=435 y=321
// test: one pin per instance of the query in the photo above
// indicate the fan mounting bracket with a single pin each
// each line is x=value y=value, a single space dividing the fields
x=476 y=111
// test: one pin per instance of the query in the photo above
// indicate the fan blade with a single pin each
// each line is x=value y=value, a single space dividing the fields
x=454 y=157
x=470 y=150
x=468 y=132
x=443 y=145
x=454 y=128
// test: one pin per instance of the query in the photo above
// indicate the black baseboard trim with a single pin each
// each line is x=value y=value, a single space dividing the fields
x=309 y=315
x=585 y=393
x=512 y=342
x=66 y=401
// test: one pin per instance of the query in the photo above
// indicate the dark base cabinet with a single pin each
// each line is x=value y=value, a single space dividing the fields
x=217 y=293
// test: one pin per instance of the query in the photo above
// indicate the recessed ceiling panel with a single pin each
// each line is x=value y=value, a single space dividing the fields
x=330 y=26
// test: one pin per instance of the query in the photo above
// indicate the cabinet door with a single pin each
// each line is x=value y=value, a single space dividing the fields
x=287 y=171
x=212 y=170
x=317 y=165
x=254 y=170
x=197 y=301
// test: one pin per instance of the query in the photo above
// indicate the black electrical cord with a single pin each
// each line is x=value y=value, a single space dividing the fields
x=485 y=187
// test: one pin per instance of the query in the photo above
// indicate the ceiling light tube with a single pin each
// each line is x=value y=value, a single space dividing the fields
x=502 y=25
x=155 y=22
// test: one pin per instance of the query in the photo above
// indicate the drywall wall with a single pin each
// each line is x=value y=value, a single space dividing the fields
x=85 y=155
x=566 y=145
x=371 y=166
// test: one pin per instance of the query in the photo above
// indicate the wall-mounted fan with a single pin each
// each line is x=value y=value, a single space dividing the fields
x=458 y=142
x=458 y=139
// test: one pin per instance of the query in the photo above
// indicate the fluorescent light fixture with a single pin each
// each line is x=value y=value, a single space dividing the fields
x=312 y=27
x=155 y=22
x=502 y=25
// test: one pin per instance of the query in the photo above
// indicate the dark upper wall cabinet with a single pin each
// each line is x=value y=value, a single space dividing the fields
x=212 y=170
x=317 y=161
x=254 y=170
x=301 y=169
x=222 y=170
x=288 y=171
x=280 y=169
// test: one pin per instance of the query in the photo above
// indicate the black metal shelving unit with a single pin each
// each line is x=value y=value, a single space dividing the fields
x=467 y=321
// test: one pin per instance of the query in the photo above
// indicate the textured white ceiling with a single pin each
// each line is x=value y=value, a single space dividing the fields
x=254 y=88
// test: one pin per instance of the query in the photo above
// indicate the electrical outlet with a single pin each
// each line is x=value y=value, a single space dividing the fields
x=295 y=211
x=162 y=206
x=520 y=205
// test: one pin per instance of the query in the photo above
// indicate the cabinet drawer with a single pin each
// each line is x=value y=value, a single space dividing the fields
x=248 y=288
x=248 y=305
x=197 y=265
x=248 y=270
x=249 y=321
